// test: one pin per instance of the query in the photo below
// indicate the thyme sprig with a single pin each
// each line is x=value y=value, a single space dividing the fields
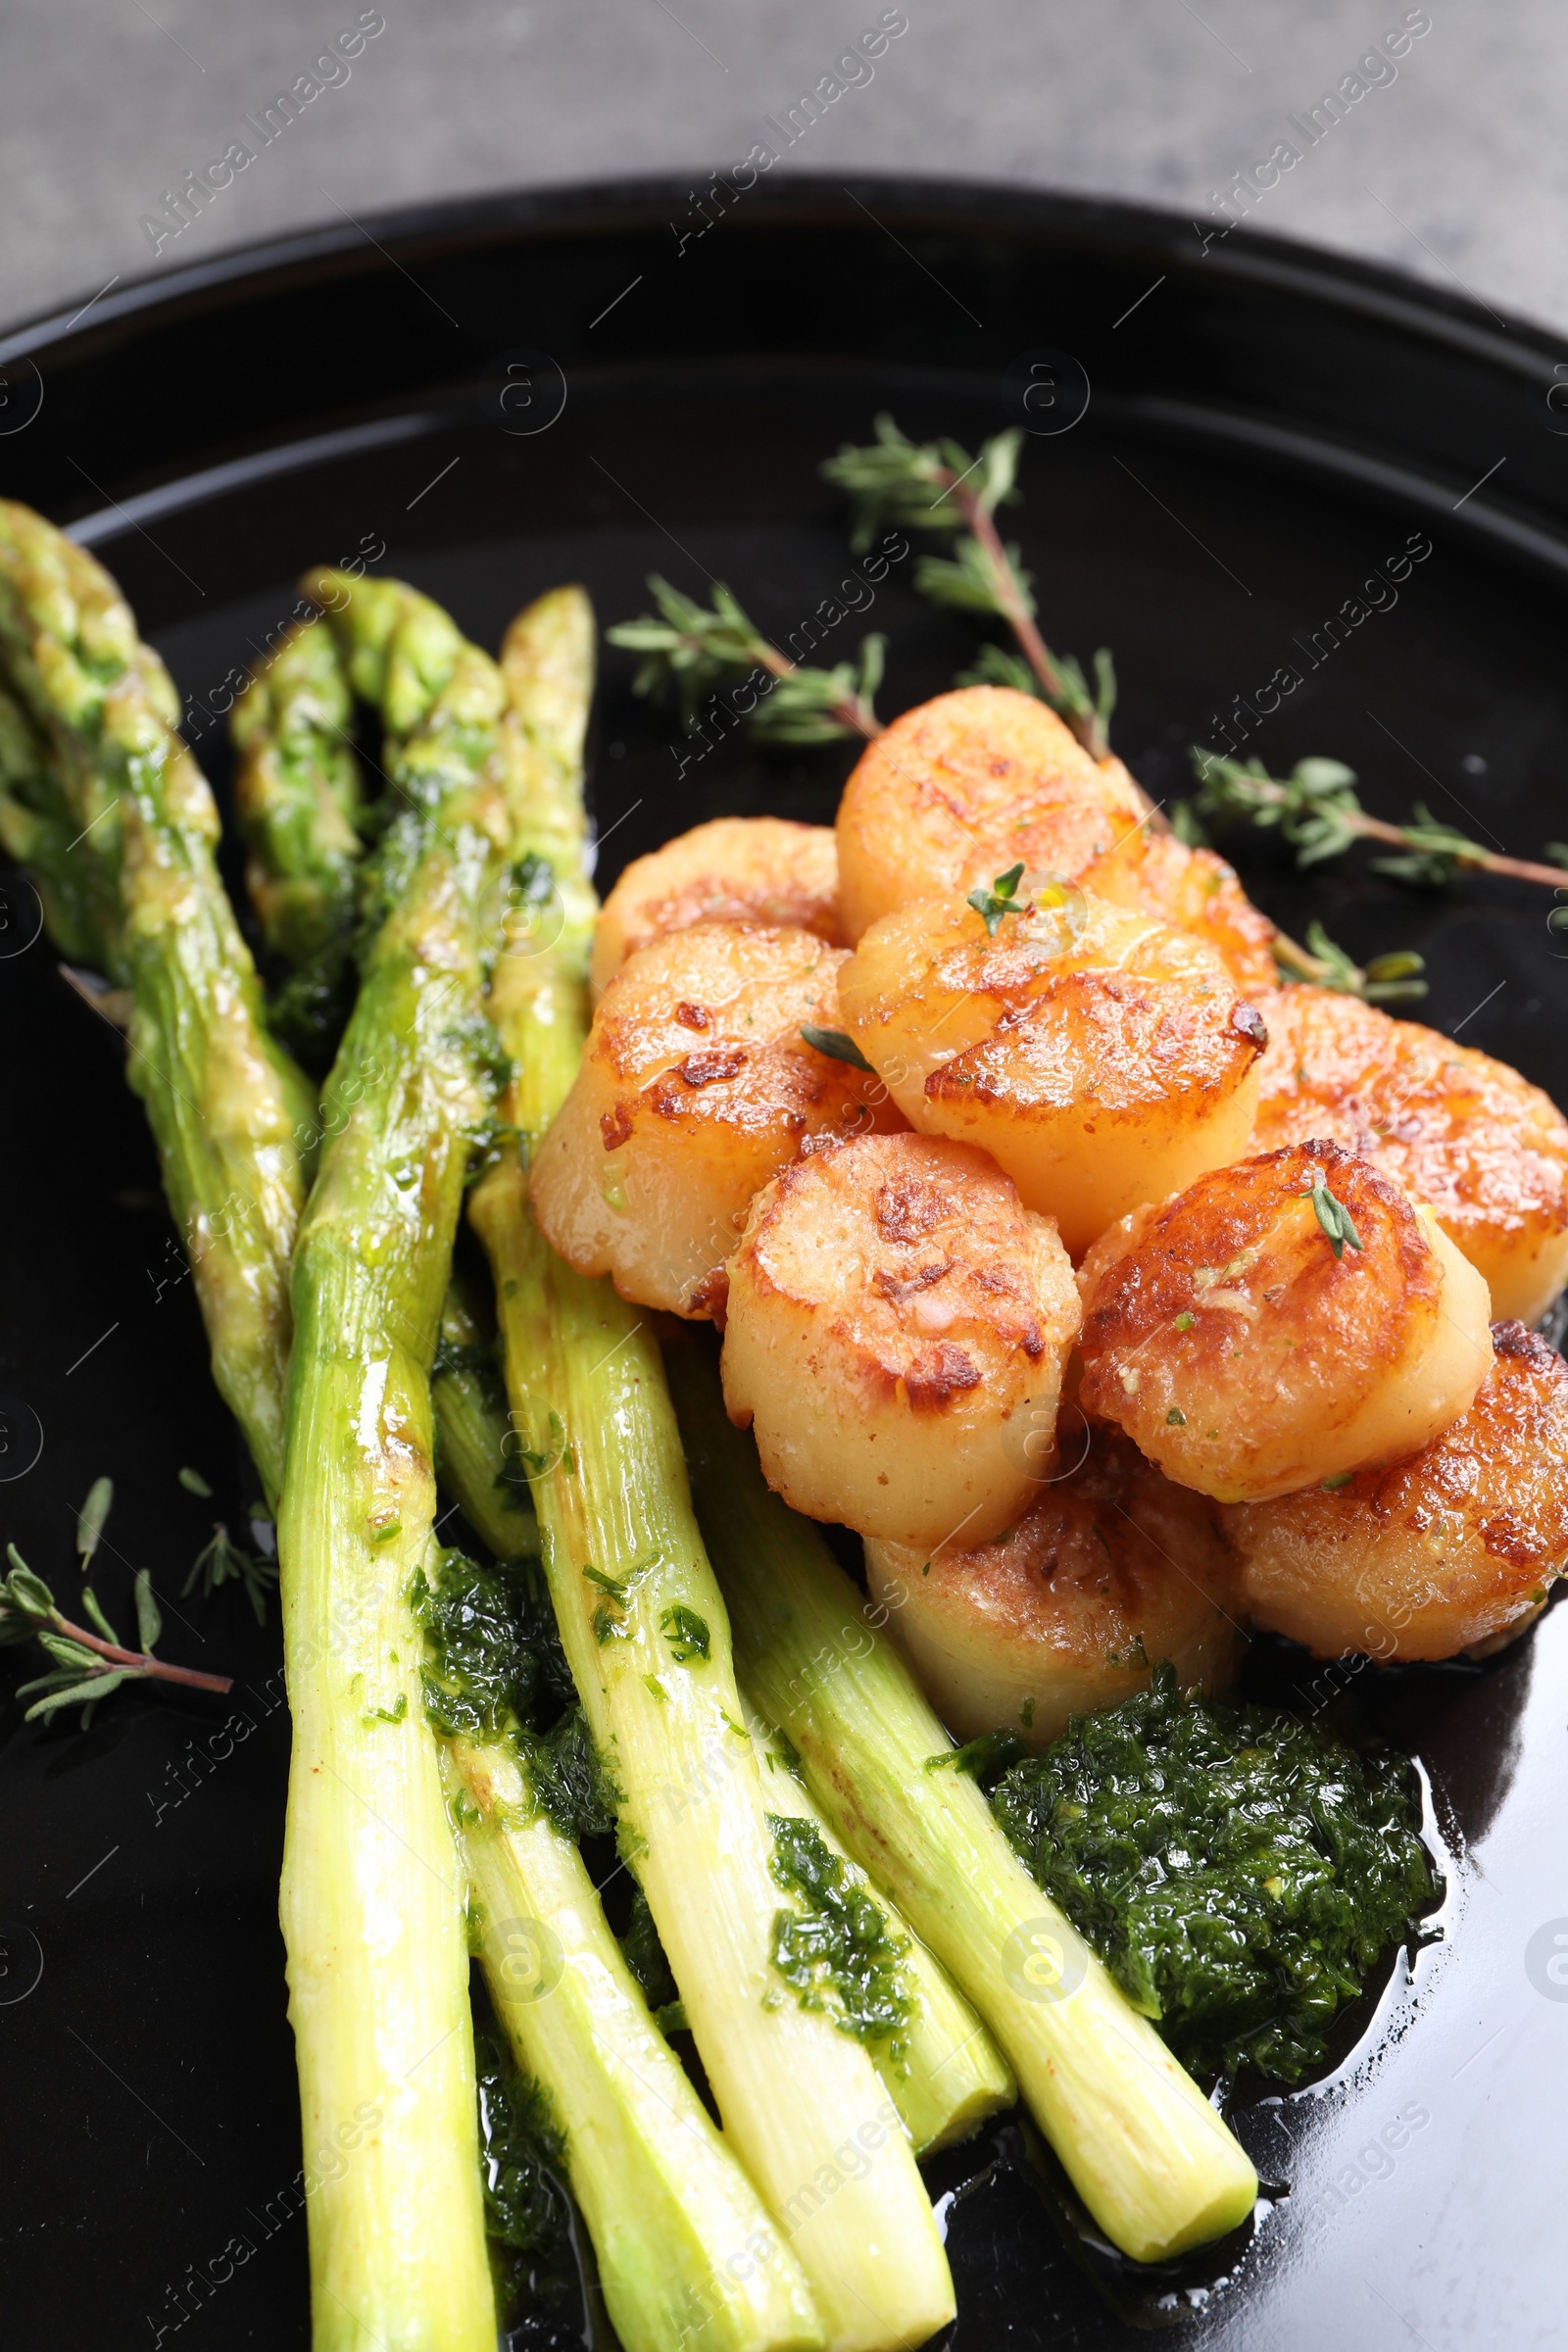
x=88 y=1664
x=1390 y=979
x=937 y=486
x=1316 y=809
x=224 y=1562
x=690 y=649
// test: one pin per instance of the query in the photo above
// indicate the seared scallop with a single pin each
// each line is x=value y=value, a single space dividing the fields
x=1484 y=1148
x=1110 y=1570
x=961 y=788
x=696 y=1086
x=1281 y=1322
x=1154 y=873
x=1451 y=1549
x=966 y=786
x=896 y=1330
x=1101 y=1057
x=737 y=869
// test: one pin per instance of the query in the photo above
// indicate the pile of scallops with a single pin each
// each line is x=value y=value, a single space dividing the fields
x=1119 y=1298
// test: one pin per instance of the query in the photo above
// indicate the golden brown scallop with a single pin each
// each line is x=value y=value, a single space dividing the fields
x=1251 y=1344
x=737 y=869
x=896 y=1330
x=1487 y=1150
x=1154 y=873
x=959 y=789
x=964 y=787
x=1101 y=1058
x=1110 y=1570
x=1451 y=1549
x=695 y=1087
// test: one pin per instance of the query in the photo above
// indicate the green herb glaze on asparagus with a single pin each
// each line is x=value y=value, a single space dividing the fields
x=374 y=1893
x=686 y=2252
x=621 y=1552
x=946 y=2076
x=1150 y=2157
x=233 y=1120
x=944 y=2073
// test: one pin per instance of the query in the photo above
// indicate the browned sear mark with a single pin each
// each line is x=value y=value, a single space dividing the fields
x=938 y=1374
x=614 y=1127
x=908 y=1212
x=719 y=1061
x=693 y=1016
x=898 y=1287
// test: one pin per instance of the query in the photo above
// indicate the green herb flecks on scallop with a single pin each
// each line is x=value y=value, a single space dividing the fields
x=1239 y=1871
x=834 y=1947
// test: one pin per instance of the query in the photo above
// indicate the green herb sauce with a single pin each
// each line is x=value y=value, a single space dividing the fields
x=1240 y=1872
x=522 y=2157
x=833 y=1948
x=495 y=1668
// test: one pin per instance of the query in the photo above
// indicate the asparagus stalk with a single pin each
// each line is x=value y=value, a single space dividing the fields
x=297 y=792
x=233 y=1118
x=631 y=1587
x=686 y=2252
x=1149 y=2155
x=372 y=1895
x=37 y=832
x=945 y=2075
x=476 y=1460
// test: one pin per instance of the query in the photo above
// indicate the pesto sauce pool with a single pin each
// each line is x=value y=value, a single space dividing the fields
x=1240 y=1872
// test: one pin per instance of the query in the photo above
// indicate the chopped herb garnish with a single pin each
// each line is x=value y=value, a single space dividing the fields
x=1334 y=1217
x=993 y=1751
x=1000 y=900
x=837 y=1046
x=686 y=1633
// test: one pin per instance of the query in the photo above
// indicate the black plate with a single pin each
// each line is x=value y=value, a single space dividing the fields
x=1266 y=427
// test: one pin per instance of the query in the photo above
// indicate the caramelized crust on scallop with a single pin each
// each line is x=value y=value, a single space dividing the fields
x=737 y=869
x=1487 y=1150
x=696 y=1086
x=895 y=1329
x=1450 y=1549
x=1101 y=1058
x=963 y=787
x=1110 y=1570
x=1156 y=874
x=1228 y=1339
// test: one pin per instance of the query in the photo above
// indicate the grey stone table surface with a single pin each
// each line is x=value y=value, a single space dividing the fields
x=1446 y=157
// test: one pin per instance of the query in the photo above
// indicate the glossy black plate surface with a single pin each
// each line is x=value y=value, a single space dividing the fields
x=1265 y=430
